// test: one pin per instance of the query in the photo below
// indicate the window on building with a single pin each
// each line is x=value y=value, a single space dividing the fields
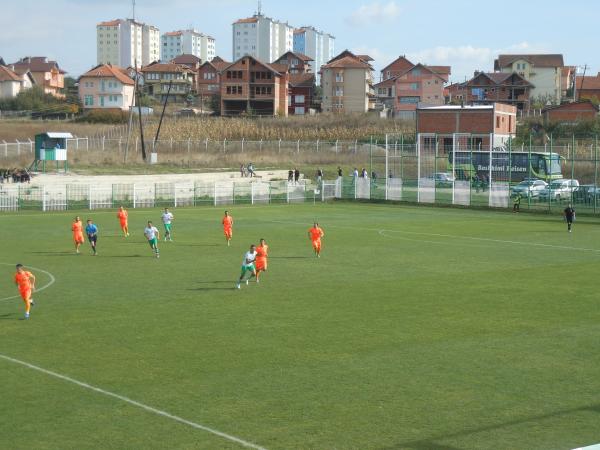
x=88 y=100
x=339 y=91
x=414 y=86
x=339 y=77
x=409 y=100
x=300 y=99
x=416 y=72
x=299 y=110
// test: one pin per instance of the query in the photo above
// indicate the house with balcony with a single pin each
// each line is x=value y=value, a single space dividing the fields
x=208 y=80
x=347 y=84
x=250 y=86
x=544 y=72
x=496 y=87
x=297 y=63
x=405 y=85
x=191 y=61
x=159 y=76
x=301 y=93
x=12 y=83
x=46 y=74
x=106 y=87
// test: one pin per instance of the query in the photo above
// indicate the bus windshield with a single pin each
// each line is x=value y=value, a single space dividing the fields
x=555 y=166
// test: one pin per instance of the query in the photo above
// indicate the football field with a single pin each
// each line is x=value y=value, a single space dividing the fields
x=418 y=328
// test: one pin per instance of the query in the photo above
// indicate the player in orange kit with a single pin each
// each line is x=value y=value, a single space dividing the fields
x=315 y=234
x=228 y=227
x=123 y=221
x=26 y=282
x=262 y=253
x=77 y=229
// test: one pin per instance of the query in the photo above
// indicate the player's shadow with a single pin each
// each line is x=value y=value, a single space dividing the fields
x=210 y=289
x=8 y=316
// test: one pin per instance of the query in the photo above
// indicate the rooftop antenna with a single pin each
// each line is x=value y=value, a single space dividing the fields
x=259 y=7
x=133 y=5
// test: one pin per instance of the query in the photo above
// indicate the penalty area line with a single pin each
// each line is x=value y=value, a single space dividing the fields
x=137 y=404
x=47 y=285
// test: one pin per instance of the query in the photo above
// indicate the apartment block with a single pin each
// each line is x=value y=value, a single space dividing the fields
x=318 y=45
x=249 y=86
x=261 y=37
x=347 y=83
x=127 y=43
x=187 y=42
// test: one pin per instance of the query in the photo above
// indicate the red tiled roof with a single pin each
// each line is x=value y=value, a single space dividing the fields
x=8 y=75
x=248 y=20
x=186 y=59
x=166 y=67
x=442 y=70
x=554 y=60
x=300 y=56
x=302 y=80
x=347 y=62
x=402 y=63
x=365 y=58
x=109 y=71
x=174 y=33
x=110 y=23
x=299 y=31
x=280 y=68
x=386 y=83
x=591 y=83
x=37 y=64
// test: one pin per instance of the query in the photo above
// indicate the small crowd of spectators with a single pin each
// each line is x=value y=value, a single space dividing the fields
x=247 y=171
x=15 y=176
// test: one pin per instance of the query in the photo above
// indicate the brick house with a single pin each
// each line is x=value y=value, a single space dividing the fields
x=47 y=74
x=404 y=85
x=209 y=77
x=301 y=93
x=496 y=121
x=251 y=86
x=571 y=112
x=588 y=88
x=158 y=76
x=191 y=61
x=106 y=87
x=297 y=62
x=497 y=87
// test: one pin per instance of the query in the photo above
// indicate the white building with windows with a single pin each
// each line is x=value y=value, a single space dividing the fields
x=125 y=43
x=187 y=42
x=320 y=46
x=261 y=37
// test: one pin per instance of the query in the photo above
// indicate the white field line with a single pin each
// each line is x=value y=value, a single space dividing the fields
x=156 y=411
x=47 y=285
x=382 y=232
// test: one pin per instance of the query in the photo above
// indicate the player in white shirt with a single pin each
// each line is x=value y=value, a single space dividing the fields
x=248 y=266
x=167 y=218
x=153 y=235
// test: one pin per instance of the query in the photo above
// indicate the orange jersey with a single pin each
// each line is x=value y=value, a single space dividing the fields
x=122 y=215
x=262 y=251
x=227 y=222
x=77 y=228
x=316 y=233
x=23 y=280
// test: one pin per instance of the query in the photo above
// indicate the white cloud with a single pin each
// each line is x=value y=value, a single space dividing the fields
x=375 y=12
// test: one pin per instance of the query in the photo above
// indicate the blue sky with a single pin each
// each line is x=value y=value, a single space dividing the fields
x=462 y=33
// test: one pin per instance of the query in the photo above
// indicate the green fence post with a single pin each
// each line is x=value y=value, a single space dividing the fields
x=595 y=172
x=572 y=167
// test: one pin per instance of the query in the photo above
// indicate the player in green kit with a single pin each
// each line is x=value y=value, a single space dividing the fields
x=248 y=266
x=153 y=235
x=167 y=218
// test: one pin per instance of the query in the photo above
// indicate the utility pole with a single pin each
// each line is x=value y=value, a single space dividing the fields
x=582 y=80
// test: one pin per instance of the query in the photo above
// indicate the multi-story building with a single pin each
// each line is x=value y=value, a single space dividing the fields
x=544 y=72
x=208 y=80
x=495 y=123
x=588 y=88
x=11 y=82
x=249 y=86
x=127 y=43
x=347 y=83
x=46 y=74
x=261 y=37
x=318 y=45
x=187 y=42
x=498 y=87
x=301 y=93
x=158 y=76
x=297 y=63
x=405 y=85
x=106 y=87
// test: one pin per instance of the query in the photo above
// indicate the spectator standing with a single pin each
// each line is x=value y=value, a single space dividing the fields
x=296 y=175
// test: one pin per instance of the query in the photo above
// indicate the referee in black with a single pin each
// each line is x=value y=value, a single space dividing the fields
x=569 y=216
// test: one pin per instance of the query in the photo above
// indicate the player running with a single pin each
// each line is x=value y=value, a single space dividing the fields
x=315 y=234
x=123 y=216
x=228 y=227
x=248 y=266
x=167 y=218
x=262 y=253
x=92 y=234
x=569 y=214
x=26 y=282
x=77 y=229
x=153 y=235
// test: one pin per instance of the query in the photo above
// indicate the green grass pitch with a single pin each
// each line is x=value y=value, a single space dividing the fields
x=419 y=328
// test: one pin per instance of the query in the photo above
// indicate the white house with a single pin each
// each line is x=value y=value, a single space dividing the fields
x=11 y=82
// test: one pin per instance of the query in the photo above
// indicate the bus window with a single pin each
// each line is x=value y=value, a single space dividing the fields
x=541 y=168
x=555 y=167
